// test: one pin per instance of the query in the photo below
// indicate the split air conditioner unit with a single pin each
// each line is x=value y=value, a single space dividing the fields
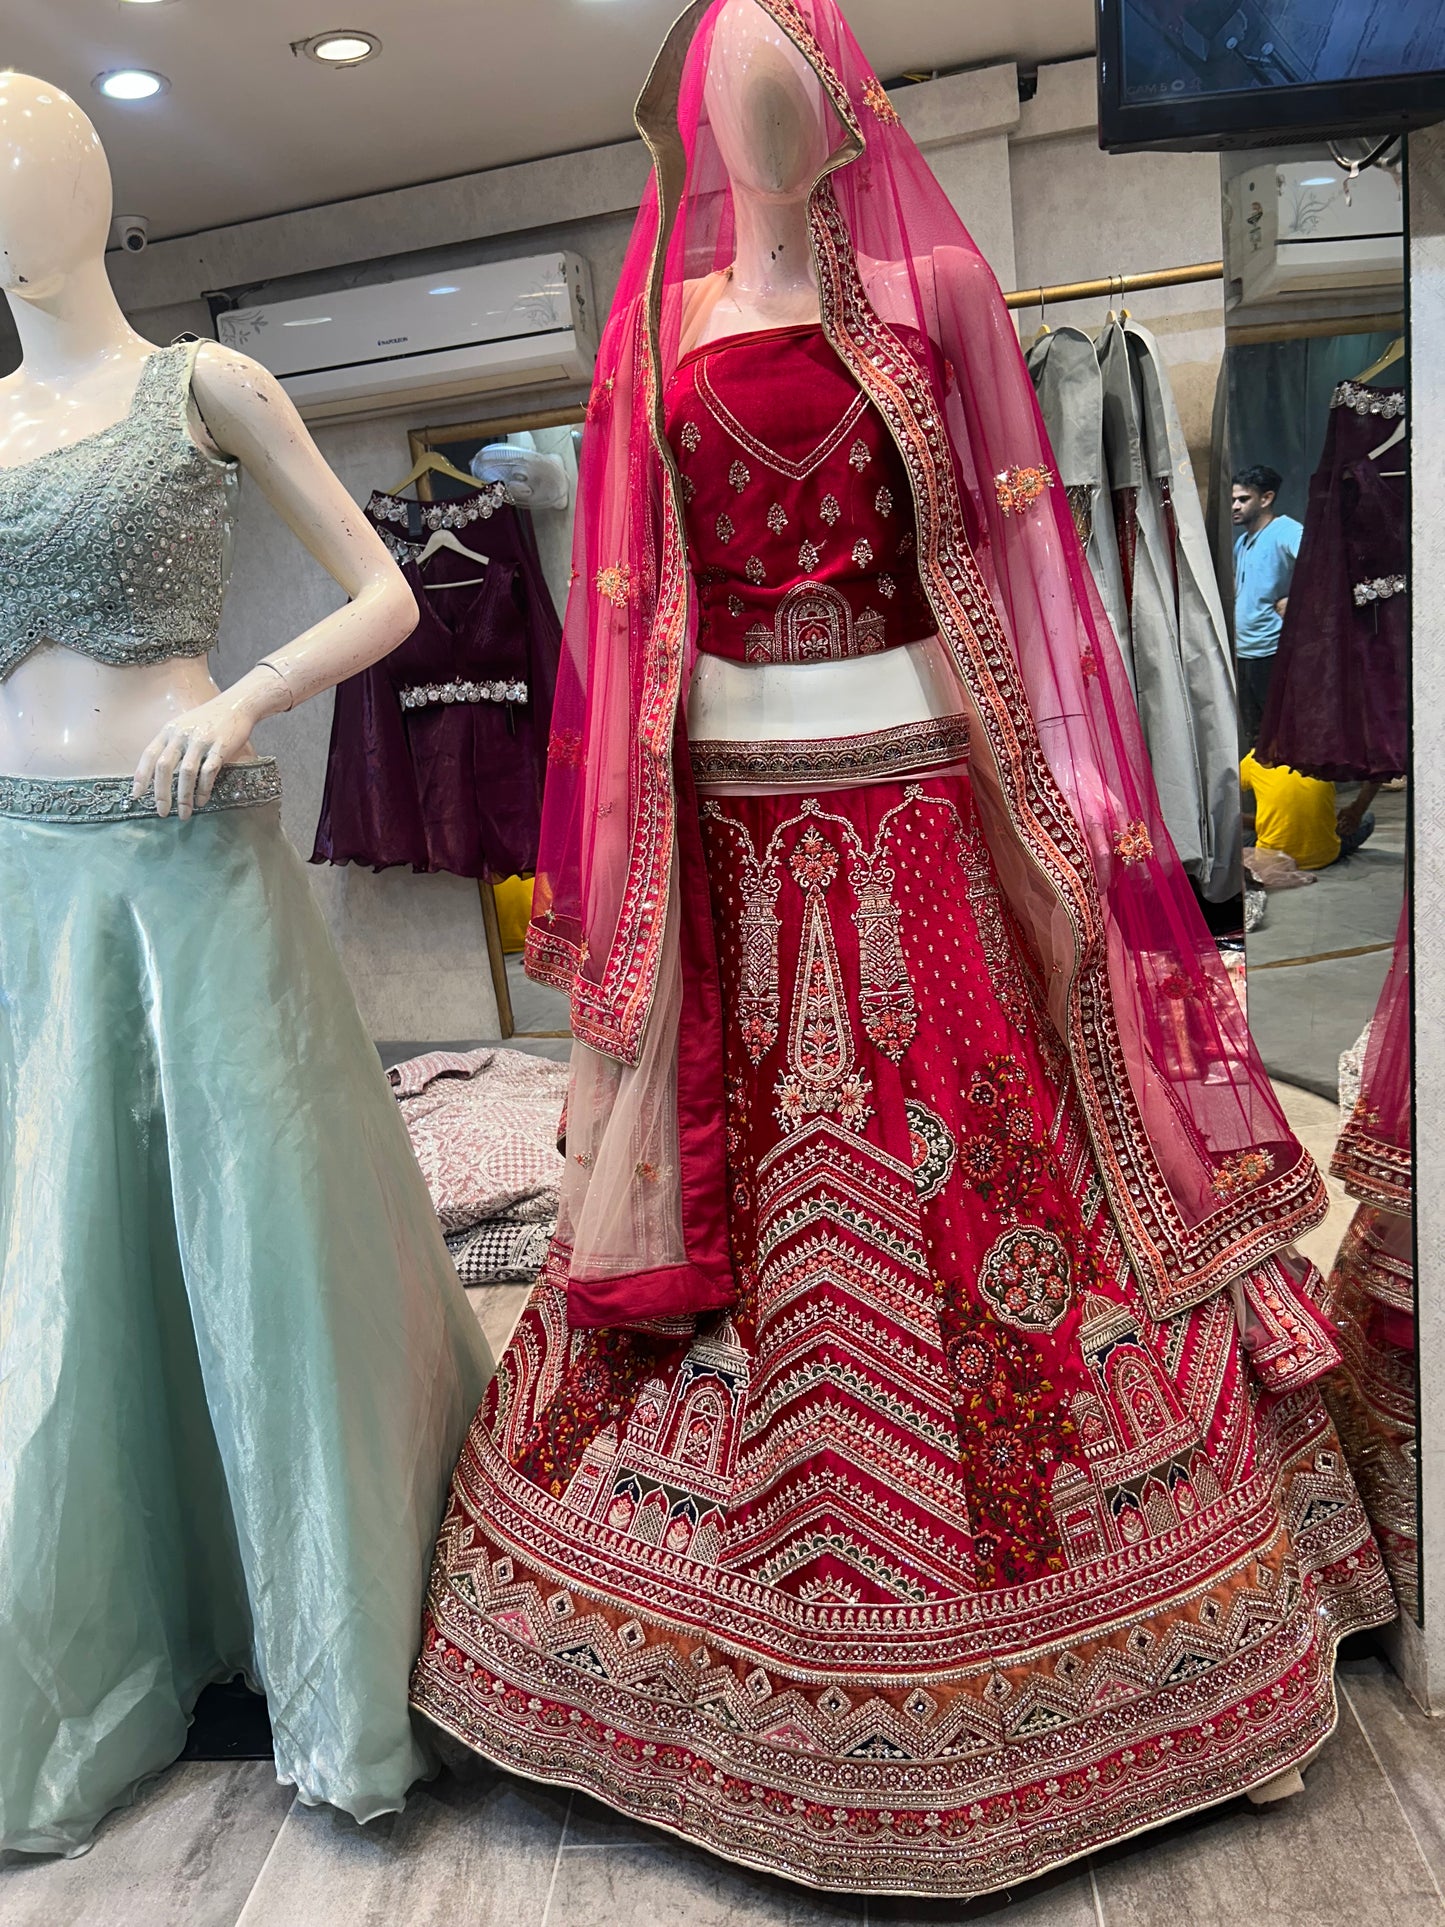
x=437 y=337
x=1297 y=228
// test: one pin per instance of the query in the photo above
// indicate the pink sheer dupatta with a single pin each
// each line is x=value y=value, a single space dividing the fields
x=1373 y=1157
x=1203 y=1175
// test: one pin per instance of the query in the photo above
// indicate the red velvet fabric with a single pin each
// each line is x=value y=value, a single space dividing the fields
x=799 y=513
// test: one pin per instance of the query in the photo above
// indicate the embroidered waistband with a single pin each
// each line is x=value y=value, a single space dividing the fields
x=1378 y=590
x=107 y=799
x=427 y=695
x=835 y=760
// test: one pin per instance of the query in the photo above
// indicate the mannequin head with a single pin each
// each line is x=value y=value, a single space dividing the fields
x=765 y=104
x=55 y=197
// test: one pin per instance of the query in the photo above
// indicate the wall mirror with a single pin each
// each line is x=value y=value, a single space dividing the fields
x=534 y=458
x=1312 y=468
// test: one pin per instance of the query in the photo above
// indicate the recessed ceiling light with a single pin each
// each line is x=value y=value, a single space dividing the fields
x=342 y=47
x=130 y=83
x=446 y=287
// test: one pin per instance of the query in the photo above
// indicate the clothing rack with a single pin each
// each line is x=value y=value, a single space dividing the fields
x=1115 y=286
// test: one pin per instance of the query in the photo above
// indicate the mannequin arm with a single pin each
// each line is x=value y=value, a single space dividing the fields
x=249 y=417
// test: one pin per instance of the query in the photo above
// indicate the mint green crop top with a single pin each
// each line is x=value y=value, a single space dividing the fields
x=115 y=545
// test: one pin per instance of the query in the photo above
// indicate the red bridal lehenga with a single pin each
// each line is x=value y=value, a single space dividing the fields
x=909 y=1472
x=1371 y=1294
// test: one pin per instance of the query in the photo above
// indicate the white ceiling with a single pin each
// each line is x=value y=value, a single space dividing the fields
x=249 y=129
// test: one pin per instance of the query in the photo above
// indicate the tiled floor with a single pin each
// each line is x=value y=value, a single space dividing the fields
x=223 y=1846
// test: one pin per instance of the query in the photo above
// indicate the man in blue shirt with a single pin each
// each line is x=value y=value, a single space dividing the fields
x=1265 y=551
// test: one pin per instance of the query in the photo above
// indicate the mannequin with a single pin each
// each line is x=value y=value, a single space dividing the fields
x=235 y=1358
x=768 y=114
x=862 y=1429
x=61 y=714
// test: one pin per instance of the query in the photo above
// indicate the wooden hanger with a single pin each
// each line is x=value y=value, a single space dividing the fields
x=430 y=462
x=1395 y=352
x=1385 y=447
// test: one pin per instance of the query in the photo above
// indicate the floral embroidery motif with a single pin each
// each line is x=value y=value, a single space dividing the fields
x=690 y=436
x=1089 y=664
x=1019 y=488
x=689 y=489
x=1239 y=1172
x=565 y=746
x=886 y=1004
x=830 y=509
x=1026 y=1278
x=1002 y=1159
x=883 y=501
x=615 y=583
x=813 y=623
x=777 y=518
x=862 y=552
x=809 y=556
x=601 y=399
x=887 y=587
x=932 y=1146
x=1134 y=844
x=875 y=99
x=736 y=607
x=725 y=528
x=1388 y=403
x=740 y=475
x=907 y=545
x=859 y=455
x=758 y=985
x=821 y=1077
x=1378 y=590
x=754 y=571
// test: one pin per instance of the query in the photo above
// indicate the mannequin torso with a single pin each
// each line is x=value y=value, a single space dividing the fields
x=62 y=714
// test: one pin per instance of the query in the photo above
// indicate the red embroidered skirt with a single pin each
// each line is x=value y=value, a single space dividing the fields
x=1371 y=1398
x=936 y=1562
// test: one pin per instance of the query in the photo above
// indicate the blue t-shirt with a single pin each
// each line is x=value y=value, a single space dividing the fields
x=1263 y=570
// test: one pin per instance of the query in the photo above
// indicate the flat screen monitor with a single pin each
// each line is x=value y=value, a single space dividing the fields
x=1248 y=73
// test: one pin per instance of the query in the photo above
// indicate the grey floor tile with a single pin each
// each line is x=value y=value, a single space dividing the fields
x=666 y=1883
x=185 y=1855
x=1410 y=1747
x=691 y=1888
x=1341 y=1852
x=480 y=1852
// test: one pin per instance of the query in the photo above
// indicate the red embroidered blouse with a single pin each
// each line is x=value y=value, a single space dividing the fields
x=800 y=523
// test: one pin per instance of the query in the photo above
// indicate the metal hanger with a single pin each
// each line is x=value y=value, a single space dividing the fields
x=1395 y=352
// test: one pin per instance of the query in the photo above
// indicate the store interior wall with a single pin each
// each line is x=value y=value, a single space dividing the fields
x=1043 y=203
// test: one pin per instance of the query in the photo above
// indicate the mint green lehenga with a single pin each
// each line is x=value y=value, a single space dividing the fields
x=235 y=1361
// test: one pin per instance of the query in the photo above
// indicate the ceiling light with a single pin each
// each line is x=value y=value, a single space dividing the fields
x=342 y=47
x=447 y=287
x=130 y=83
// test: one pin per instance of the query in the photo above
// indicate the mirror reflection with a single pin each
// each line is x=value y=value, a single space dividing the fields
x=1315 y=445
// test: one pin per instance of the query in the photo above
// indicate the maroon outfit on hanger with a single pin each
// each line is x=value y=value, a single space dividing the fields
x=438 y=751
x=1338 y=701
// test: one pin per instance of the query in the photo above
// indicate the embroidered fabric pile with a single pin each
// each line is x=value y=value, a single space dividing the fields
x=484 y=1125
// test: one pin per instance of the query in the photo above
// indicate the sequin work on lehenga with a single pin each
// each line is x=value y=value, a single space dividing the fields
x=937 y=1561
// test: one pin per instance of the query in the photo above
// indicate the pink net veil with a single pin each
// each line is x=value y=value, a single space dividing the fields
x=1203 y=1175
x=1373 y=1156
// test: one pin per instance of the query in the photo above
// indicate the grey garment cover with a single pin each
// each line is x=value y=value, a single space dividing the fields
x=1183 y=679
x=1065 y=371
x=1193 y=620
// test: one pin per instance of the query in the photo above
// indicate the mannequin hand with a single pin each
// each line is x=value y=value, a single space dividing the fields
x=193 y=749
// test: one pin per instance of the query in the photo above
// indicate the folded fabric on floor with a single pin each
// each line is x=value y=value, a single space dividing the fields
x=501 y=1252
x=484 y=1127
